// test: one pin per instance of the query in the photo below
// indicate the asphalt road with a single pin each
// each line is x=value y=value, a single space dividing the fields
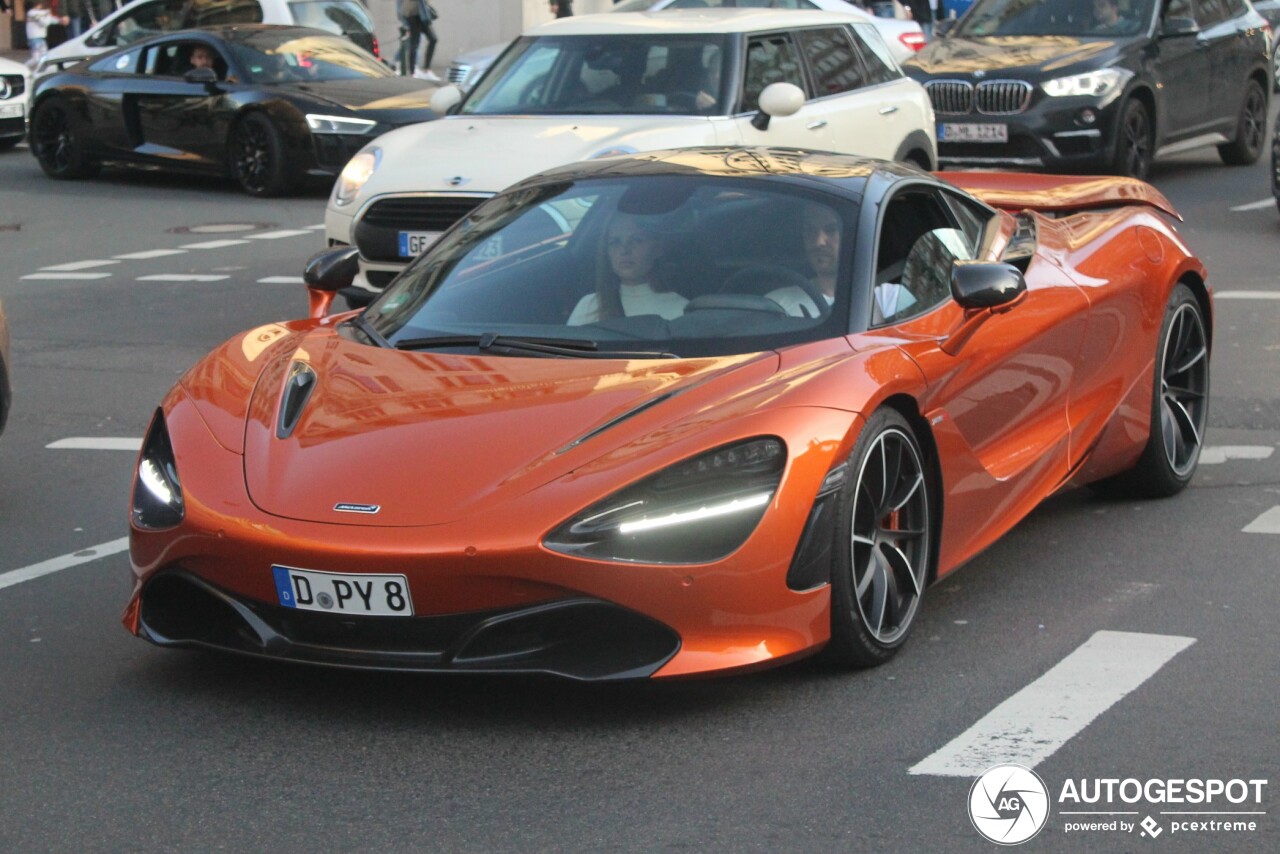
x=109 y=744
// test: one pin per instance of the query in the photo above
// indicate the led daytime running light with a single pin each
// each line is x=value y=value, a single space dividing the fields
x=734 y=506
x=339 y=124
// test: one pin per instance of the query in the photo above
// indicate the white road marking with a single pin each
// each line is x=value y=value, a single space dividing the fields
x=1255 y=206
x=319 y=227
x=66 y=276
x=276 y=235
x=1211 y=455
x=79 y=265
x=1031 y=725
x=96 y=443
x=289 y=280
x=214 y=244
x=1267 y=523
x=150 y=253
x=57 y=564
x=182 y=277
x=1246 y=295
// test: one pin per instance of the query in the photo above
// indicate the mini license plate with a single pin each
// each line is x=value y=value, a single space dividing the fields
x=414 y=243
x=366 y=594
x=11 y=111
x=974 y=133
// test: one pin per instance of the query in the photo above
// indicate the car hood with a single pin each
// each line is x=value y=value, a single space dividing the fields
x=430 y=438
x=966 y=55
x=395 y=100
x=489 y=153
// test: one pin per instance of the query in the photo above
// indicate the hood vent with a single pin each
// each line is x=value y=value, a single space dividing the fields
x=297 y=391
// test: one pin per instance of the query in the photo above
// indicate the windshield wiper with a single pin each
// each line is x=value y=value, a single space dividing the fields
x=368 y=331
x=572 y=347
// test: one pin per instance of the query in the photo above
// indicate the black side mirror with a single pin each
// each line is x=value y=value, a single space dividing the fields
x=1175 y=27
x=327 y=273
x=207 y=76
x=979 y=285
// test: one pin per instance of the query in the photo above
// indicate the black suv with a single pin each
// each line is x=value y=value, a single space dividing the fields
x=1074 y=85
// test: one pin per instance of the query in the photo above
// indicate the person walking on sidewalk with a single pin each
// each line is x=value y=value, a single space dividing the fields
x=416 y=17
x=38 y=20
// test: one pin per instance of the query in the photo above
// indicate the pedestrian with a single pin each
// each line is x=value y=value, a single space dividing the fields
x=562 y=8
x=428 y=14
x=77 y=12
x=415 y=18
x=922 y=12
x=39 y=18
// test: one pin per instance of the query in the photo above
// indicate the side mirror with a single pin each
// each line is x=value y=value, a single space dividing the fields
x=327 y=273
x=445 y=99
x=777 y=99
x=207 y=76
x=980 y=285
x=1174 y=27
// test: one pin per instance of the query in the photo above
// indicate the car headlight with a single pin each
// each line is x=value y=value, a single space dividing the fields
x=157 y=492
x=1104 y=84
x=695 y=511
x=356 y=174
x=339 y=124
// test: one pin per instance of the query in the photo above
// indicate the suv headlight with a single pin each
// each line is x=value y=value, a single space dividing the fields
x=695 y=511
x=1104 y=84
x=356 y=174
x=157 y=492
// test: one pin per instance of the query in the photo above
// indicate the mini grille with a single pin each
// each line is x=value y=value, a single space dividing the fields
x=420 y=213
x=950 y=97
x=1002 y=97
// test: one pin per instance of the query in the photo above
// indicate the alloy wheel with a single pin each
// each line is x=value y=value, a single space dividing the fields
x=252 y=156
x=1135 y=136
x=1253 y=129
x=1184 y=387
x=54 y=139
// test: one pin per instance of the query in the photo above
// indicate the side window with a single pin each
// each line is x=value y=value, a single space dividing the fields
x=972 y=219
x=919 y=242
x=770 y=59
x=174 y=59
x=832 y=62
x=879 y=63
x=120 y=63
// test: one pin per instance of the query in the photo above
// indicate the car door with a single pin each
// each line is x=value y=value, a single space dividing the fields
x=775 y=58
x=1183 y=74
x=178 y=119
x=113 y=77
x=997 y=400
x=1220 y=41
x=841 y=102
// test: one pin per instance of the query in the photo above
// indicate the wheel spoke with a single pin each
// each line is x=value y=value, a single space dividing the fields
x=1186 y=424
x=910 y=491
x=901 y=567
x=879 y=598
x=1180 y=393
x=1191 y=360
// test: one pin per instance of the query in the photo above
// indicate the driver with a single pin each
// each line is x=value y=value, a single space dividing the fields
x=202 y=56
x=1106 y=17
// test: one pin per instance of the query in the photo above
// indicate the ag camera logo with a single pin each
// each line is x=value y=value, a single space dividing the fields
x=1009 y=804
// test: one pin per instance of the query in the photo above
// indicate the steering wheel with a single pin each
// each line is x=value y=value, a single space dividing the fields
x=764 y=278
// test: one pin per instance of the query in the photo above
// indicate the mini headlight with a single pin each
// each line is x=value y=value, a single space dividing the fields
x=339 y=124
x=356 y=174
x=1104 y=84
x=696 y=511
x=157 y=492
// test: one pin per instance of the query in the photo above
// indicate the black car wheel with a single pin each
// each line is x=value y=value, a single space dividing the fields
x=57 y=143
x=1135 y=141
x=1251 y=129
x=883 y=554
x=257 y=155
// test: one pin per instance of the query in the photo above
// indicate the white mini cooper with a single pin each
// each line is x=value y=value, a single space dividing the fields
x=599 y=85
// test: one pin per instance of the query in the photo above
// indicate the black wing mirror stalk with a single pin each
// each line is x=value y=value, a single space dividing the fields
x=327 y=273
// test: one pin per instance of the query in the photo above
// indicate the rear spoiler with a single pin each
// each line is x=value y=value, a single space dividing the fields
x=1061 y=194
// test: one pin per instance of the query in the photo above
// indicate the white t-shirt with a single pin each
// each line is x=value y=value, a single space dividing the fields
x=891 y=298
x=797 y=302
x=636 y=299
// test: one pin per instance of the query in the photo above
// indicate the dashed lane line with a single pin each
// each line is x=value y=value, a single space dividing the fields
x=1216 y=454
x=215 y=244
x=77 y=265
x=57 y=564
x=282 y=280
x=1246 y=295
x=1255 y=206
x=56 y=276
x=319 y=227
x=1031 y=725
x=149 y=253
x=96 y=443
x=1267 y=523
x=183 y=277
x=276 y=235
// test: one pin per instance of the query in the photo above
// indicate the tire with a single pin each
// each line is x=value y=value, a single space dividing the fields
x=1135 y=141
x=58 y=144
x=1179 y=406
x=1251 y=129
x=884 y=551
x=256 y=157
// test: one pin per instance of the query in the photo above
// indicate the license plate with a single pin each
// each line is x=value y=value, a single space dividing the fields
x=414 y=243
x=11 y=111
x=366 y=594
x=974 y=133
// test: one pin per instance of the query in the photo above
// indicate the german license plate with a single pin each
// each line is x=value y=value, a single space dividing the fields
x=366 y=594
x=414 y=243
x=974 y=133
x=11 y=111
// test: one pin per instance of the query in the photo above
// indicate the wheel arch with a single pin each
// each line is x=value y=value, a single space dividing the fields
x=1145 y=95
x=909 y=408
x=917 y=143
x=1200 y=290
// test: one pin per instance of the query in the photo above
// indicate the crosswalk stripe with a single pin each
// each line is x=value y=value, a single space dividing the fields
x=1031 y=725
x=276 y=235
x=281 y=280
x=1266 y=295
x=149 y=253
x=1267 y=523
x=96 y=443
x=215 y=244
x=78 y=265
x=182 y=277
x=55 y=276
x=57 y=564
x=1216 y=454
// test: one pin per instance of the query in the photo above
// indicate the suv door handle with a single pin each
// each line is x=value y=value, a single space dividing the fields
x=818 y=125
x=888 y=110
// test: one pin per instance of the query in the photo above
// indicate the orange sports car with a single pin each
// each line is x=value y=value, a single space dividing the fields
x=672 y=413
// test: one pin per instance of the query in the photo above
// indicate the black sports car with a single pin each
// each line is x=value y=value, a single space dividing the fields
x=1086 y=85
x=266 y=105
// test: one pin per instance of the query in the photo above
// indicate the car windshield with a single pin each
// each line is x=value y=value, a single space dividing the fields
x=271 y=58
x=642 y=266
x=605 y=75
x=1087 y=18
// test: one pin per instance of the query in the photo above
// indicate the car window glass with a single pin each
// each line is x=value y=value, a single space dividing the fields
x=173 y=59
x=272 y=56
x=148 y=19
x=1053 y=18
x=972 y=218
x=917 y=246
x=335 y=16
x=832 y=62
x=876 y=58
x=204 y=13
x=118 y=63
x=770 y=59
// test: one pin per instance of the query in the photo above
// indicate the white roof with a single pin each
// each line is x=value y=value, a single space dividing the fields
x=720 y=20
